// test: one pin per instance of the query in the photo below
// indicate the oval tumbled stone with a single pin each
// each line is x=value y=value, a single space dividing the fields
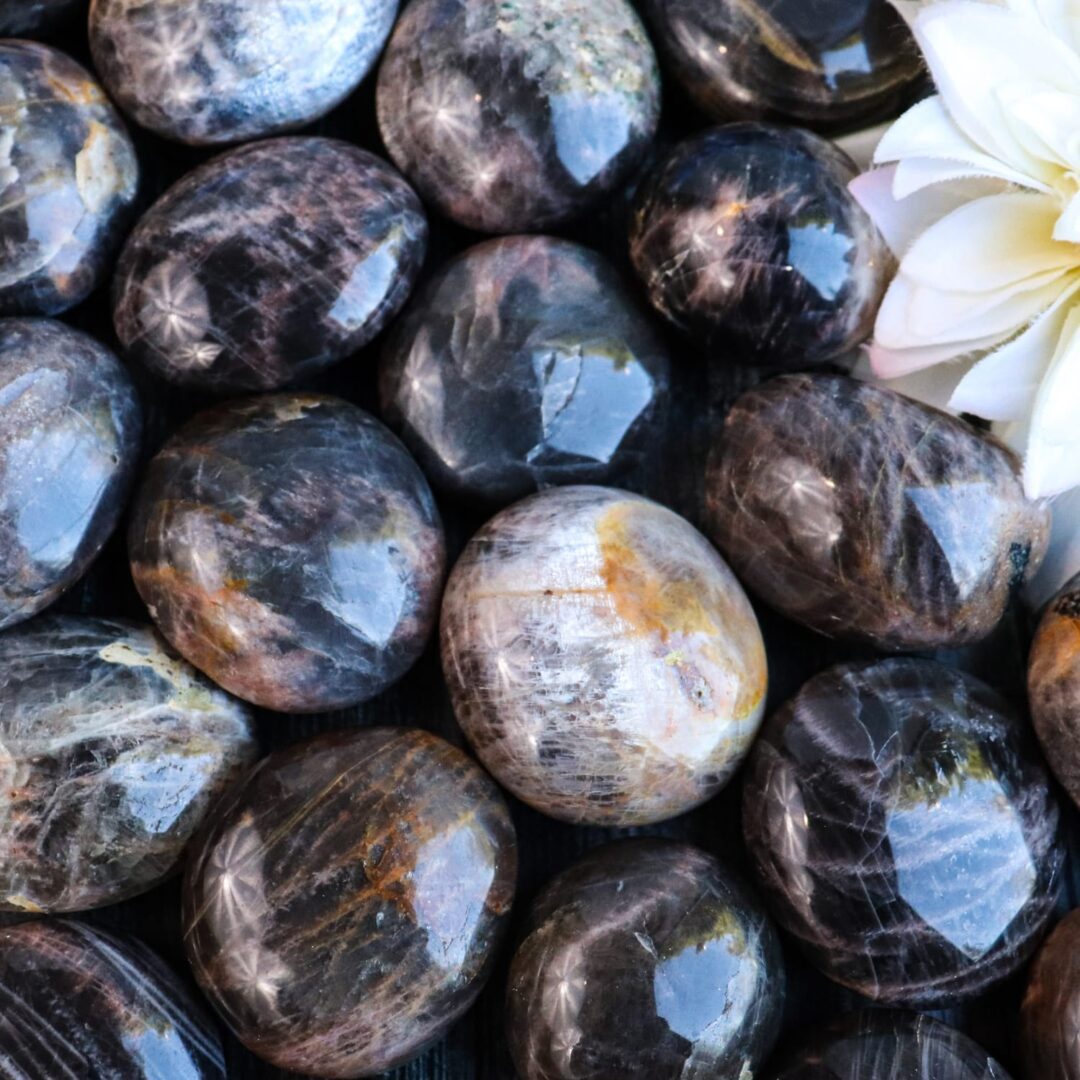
x=864 y=514
x=113 y=750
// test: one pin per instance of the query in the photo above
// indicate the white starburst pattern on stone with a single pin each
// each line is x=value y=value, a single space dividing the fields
x=807 y=499
x=258 y=973
x=235 y=888
x=446 y=109
x=170 y=48
x=175 y=310
x=562 y=997
x=200 y=355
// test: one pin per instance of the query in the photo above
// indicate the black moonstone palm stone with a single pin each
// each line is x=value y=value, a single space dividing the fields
x=746 y=237
x=903 y=831
x=525 y=363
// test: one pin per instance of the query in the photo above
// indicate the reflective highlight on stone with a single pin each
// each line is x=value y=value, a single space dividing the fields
x=1054 y=688
x=863 y=514
x=832 y=64
x=516 y=115
x=889 y=1045
x=220 y=71
x=268 y=264
x=646 y=959
x=525 y=364
x=746 y=236
x=79 y=1002
x=18 y=17
x=70 y=426
x=68 y=178
x=601 y=657
x=1050 y=1014
x=114 y=750
x=343 y=910
x=290 y=548
x=903 y=830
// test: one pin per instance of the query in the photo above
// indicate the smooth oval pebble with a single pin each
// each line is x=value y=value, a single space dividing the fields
x=903 y=831
x=645 y=960
x=1050 y=1013
x=890 y=1045
x=343 y=909
x=20 y=17
x=525 y=363
x=267 y=265
x=221 y=71
x=289 y=547
x=601 y=658
x=68 y=180
x=517 y=115
x=80 y=1002
x=114 y=751
x=863 y=514
x=70 y=428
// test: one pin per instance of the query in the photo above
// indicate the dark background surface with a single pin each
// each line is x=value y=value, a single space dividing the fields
x=704 y=388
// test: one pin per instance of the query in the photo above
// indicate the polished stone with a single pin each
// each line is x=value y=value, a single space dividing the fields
x=83 y=1003
x=221 y=71
x=646 y=960
x=1050 y=1014
x=344 y=908
x=70 y=427
x=524 y=364
x=516 y=115
x=831 y=64
x=903 y=830
x=1054 y=687
x=113 y=752
x=289 y=547
x=20 y=17
x=601 y=657
x=863 y=514
x=747 y=238
x=68 y=179
x=889 y=1045
x=268 y=264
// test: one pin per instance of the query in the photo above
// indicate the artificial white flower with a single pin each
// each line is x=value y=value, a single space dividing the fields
x=978 y=194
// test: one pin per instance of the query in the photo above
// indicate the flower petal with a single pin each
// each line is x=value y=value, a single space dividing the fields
x=1062 y=561
x=1045 y=120
x=896 y=363
x=1067 y=226
x=933 y=385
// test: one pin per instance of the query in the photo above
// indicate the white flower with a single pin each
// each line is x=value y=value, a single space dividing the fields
x=978 y=194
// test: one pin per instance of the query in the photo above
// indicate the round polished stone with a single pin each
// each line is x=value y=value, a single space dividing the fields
x=68 y=178
x=79 y=1002
x=747 y=237
x=525 y=364
x=114 y=751
x=220 y=71
x=890 y=1045
x=646 y=960
x=903 y=830
x=601 y=657
x=70 y=427
x=1050 y=1014
x=19 y=17
x=515 y=115
x=831 y=64
x=344 y=908
x=290 y=548
x=863 y=514
x=268 y=264
x=1054 y=687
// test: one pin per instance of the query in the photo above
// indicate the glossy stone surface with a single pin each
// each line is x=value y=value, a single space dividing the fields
x=344 y=909
x=903 y=830
x=1050 y=1014
x=290 y=548
x=113 y=752
x=832 y=64
x=70 y=426
x=68 y=178
x=1054 y=687
x=79 y=1002
x=601 y=657
x=890 y=1045
x=516 y=115
x=863 y=514
x=220 y=71
x=646 y=959
x=525 y=364
x=268 y=264
x=747 y=238
x=18 y=17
